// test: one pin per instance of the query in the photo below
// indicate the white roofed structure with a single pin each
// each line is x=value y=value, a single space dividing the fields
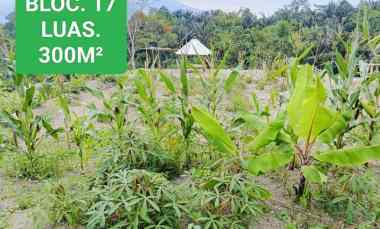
x=194 y=48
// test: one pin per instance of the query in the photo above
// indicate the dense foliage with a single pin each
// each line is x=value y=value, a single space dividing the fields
x=254 y=40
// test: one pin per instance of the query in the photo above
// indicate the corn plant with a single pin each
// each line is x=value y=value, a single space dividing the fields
x=344 y=96
x=63 y=103
x=81 y=132
x=115 y=112
x=31 y=129
x=149 y=106
x=349 y=94
x=294 y=134
x=369 y=102
x=182 y=110
x=214 y=86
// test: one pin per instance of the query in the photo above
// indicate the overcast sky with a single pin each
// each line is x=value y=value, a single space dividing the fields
x=257 y=6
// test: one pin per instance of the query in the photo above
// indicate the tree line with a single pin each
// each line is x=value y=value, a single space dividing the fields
x=253 y=41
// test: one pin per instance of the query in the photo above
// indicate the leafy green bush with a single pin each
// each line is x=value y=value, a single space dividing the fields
x=354 y=196
x=135 y=199
x=227 y=200
x=68 y=205
x=139 y=152
x=62 y=202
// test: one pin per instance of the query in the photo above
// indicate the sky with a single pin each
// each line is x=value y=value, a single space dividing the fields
x=257 y=6
x=6 y=7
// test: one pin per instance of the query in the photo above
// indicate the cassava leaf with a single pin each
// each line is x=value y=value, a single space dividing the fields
x=214 y=131
x=350 y=157
x=269 y=162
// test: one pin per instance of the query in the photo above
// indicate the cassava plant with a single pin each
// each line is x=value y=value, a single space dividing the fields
x=226 y=200
x=136 y=199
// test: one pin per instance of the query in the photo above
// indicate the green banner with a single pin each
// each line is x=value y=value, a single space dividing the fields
x=71 y=36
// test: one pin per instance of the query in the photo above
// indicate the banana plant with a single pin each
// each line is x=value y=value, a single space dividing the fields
x=31 y=129
x=291 y=138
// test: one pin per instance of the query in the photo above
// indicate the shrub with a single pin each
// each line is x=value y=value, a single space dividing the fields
x=353 y=195
x=138 y=153
x=227 y=200
x=62 y=202
x=68 y=204
x=135 y=199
